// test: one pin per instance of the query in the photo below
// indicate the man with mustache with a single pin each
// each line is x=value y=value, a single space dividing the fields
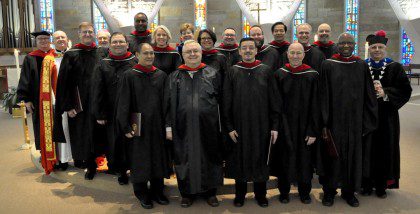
x=141 y=34
x=324 y=43
x=265 y=53
x=229 y=47
x=313 y=56
x=393 y=90
x=251 y=118
x=350 y=113
x=279 y=30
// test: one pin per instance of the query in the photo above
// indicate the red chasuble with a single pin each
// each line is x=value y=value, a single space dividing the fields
x=47 y=88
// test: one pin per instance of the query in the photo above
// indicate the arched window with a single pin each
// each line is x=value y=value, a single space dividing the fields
x=407 y=48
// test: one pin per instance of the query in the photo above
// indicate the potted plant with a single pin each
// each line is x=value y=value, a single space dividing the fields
x=9 y=100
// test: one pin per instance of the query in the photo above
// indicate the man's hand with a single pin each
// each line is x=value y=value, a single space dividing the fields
x=233 y=135
x=169 y=135
x=30 y=107
x=274 y=135
x=101 y=122
x=129 y=135
x=380 y=93
x=72 y=113
x=310 y=140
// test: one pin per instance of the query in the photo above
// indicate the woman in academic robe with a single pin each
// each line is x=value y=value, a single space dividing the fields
x=211 y=56
x=167 y=58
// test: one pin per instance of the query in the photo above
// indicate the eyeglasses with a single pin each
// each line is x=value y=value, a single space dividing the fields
x=191 y=52
x=230 y=35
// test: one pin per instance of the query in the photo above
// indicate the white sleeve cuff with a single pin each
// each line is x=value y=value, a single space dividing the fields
x=168 y=129
x=386 y=98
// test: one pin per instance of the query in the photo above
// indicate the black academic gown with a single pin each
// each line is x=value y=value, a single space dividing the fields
x=349 y=109
x=195 y=122
x=281 y=49
x=135 y=40
x=314 y=58
x=327 y=50
x=291 y=157
x=167 y=60
x=250 y=108
x=231 y=54
x=28 y=89
x=143 y=93
x=385 y=150
x=269 y=56
x=216 y=60
x=76 y=71
x=107 y=79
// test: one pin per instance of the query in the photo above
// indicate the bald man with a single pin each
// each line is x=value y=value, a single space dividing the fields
x=291 y=159
x=324 y=43
x=349 y=114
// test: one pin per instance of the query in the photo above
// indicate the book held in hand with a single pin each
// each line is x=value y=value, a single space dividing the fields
x=135 y=122
x=78 y=101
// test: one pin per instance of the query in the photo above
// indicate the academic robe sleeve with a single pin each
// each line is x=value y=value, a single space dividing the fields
x=227 y=101
x=399 y=92
x=273 y=94
x=124 y=104
x=370 y=104
x=168 y=100
x=99 y=93
x=313 y=129
x=26 y=82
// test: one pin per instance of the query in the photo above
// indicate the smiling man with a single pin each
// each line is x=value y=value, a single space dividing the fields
x=265 y=53
x=279 y=30
x=229 y=47
x=141 y=34
x=350 y=113
x=324 y=43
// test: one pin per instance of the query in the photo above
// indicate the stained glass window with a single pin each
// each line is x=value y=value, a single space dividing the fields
x=245 y=27
x=407 y=51
x=47 y=15
x=352 y=20
x=300 y=17
x=200 y=14
x=99 y=20
x=155 y=23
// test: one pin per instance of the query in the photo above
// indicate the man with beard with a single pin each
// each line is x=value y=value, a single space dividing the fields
x=324 y=43
x=142 y=95
x=279 y=30
x=349 y=114
x=266 y=53
x=103 y=37
x=313 y=56
x=28 y=91
x=292 y=157
x=107 y=78
x=60 y=42
x=211 y=56
x=229 y=47
x=193 y=123
x=393 y=90
x=251 y=114
x=74 y=96
x=141 y=34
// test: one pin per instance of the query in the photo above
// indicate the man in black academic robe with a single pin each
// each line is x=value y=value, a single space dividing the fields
x=349 y=112
x=251 y=114
x=393 y=90
x=324 y=43
x=291 y=159
x=229 y=47
x=211 y=56
x=142 y=95
x=279 y=30
x=313 y=56
x=266 y=53
x=193 y=123
x=141 y=34
x=107 y=78
x=29 y=82
x=74 y=96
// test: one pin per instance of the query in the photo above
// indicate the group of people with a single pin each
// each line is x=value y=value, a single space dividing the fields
x=242 y=111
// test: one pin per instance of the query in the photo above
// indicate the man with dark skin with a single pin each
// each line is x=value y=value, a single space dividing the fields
x=349 y=114
x=141 y=34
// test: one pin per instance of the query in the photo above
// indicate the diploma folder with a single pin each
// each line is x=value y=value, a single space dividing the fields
x=135 y=122
x=78 y=101
x=331 y=148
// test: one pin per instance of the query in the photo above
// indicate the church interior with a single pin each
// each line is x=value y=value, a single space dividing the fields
x=25 y=188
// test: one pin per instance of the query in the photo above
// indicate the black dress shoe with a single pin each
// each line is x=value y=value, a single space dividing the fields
x=212 y=201
x=145 y=200
x=351 y=200
x=186 y=202
x=123 y=179
x=90 y=174
x=64 y=166
x=239 y=201
x=284 y=198
x=262 y=201
x=381 y=193
x=160 y=198
x=328 y=200
x=366 y=191
x=306 y=199
x=78 y=164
